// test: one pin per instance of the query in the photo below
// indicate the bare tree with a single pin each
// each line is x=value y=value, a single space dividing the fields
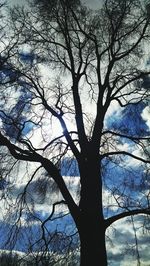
x=71 y=66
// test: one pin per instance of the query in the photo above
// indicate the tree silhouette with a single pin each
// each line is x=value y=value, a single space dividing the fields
x=83 y=64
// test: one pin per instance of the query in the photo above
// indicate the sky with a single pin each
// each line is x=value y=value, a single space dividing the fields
x=16 y=2
x=94 y=3
x=121 y=230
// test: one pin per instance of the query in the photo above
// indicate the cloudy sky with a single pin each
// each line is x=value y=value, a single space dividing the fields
x=123 y=231
x=93 y=3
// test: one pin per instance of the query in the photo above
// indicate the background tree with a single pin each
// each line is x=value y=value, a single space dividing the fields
x=72 y=66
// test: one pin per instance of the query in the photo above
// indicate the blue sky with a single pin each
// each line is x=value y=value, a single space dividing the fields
x=127 y=120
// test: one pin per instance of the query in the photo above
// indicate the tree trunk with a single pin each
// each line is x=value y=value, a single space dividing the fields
x=92 y=225
x=92 y=239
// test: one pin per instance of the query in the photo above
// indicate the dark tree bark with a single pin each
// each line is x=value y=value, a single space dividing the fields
x=92 y=239
x=92 y=224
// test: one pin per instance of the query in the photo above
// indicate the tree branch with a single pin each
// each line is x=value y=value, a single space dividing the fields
x=117 y=217
x=126 y=154
x=19 y=153
x=52 y=170
x=128 y=82
x=125 y=136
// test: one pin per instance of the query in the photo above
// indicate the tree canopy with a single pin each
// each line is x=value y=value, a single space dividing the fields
x=75 y=90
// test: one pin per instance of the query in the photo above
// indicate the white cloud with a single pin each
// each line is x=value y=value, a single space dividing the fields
x=95 y=4
x=146 y=115
x=16 y=2
x=122 y=249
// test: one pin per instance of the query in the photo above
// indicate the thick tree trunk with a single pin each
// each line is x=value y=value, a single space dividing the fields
x=92 y=239
x=92 y=224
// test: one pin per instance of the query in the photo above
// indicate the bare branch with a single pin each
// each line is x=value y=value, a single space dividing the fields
x=117 y=217
x=125 y=154
x=136 y=138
